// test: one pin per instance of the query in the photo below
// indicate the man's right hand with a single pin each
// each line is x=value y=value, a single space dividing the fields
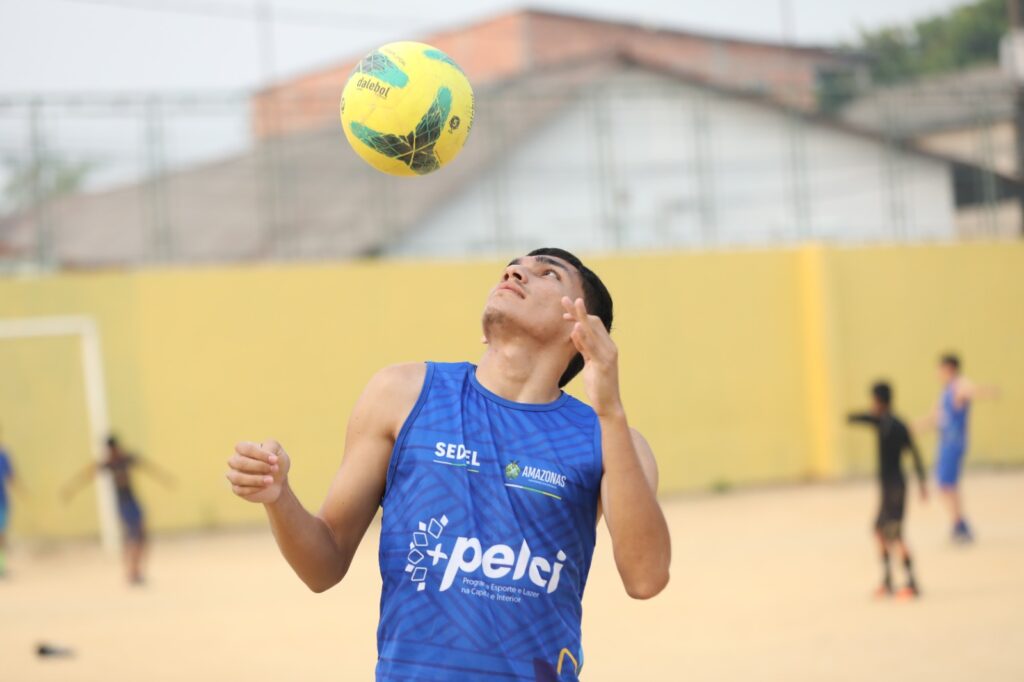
x=258 y=472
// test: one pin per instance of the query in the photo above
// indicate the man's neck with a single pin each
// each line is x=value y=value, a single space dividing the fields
x=522 y=373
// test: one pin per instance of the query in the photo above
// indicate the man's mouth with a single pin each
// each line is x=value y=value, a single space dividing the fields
x=513 y=288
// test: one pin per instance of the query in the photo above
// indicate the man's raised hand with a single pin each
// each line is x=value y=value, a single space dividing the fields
x=600 y=357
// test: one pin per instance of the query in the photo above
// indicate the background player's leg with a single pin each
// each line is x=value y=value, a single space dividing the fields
x=948 y=472
x=885 y=589
x=134 y=552
x=961 y=531
x=910 y=590
x=952 y=500
x=135 y=548
x=3 y=541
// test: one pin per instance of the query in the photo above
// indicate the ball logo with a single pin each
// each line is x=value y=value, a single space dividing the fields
x=453 y=124
x=373 y=86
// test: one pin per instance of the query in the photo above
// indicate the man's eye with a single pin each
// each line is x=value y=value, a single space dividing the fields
x=551 y=272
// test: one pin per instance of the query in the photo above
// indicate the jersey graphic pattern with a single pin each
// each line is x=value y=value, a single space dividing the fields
x=487 y=535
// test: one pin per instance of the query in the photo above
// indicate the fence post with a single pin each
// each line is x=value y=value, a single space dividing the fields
x=161 y=229
x=37 y=162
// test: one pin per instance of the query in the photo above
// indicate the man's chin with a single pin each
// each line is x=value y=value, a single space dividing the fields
x=503 y=314
x=494 y=314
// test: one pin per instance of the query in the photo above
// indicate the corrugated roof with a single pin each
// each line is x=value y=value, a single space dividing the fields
x=966 y=99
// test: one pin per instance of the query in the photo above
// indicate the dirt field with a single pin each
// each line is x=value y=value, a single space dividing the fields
x=767 y=585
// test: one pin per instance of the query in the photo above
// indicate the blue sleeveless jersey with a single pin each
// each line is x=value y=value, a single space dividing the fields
x=953 y=421
x=487 y=535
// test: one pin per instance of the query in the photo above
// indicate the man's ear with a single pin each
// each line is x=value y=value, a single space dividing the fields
x=483 y=339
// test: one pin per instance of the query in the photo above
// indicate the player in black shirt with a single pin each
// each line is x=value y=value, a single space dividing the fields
x=893 y=439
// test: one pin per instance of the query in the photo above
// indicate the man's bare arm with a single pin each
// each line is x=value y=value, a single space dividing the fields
x=967 y=390
x=165 y=477
x=79 y=481
x=926 y=423
x=320 y=547
x=640 y=537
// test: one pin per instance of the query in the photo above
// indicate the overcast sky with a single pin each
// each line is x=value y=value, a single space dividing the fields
x=174 y=45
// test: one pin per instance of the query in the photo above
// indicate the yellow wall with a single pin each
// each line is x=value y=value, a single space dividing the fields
x=902 y=307
x=737 y=366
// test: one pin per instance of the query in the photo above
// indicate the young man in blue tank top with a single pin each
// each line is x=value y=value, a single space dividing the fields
x=950 y=418
x=491 y=480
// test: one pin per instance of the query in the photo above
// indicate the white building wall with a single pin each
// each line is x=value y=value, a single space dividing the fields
x=644 y=161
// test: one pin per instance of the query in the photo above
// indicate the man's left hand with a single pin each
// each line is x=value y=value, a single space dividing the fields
x=600 y=357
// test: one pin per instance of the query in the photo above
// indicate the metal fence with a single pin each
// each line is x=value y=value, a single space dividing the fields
x=638 y=162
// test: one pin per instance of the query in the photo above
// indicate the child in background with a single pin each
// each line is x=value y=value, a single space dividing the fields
x=893 y=439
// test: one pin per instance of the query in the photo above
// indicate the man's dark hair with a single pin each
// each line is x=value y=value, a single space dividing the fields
x=950 y=360
x=111 y=441
x=595 y=296
x=882 y=392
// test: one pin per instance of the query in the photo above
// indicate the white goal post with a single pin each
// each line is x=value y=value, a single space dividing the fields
x=84 y=329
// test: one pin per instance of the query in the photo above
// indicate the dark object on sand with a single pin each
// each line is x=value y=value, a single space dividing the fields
x=44 y=650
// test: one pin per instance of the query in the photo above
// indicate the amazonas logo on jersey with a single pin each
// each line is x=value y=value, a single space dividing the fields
x=470 y=565
x=534 y=479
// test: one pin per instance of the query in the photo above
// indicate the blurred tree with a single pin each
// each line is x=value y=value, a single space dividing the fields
x=38 y=180
x=967 y=35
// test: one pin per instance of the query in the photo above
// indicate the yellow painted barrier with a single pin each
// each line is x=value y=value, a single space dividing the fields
x=738 y=366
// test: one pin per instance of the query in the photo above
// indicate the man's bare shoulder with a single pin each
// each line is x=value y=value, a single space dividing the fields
x=392 y=391
x=403 y=378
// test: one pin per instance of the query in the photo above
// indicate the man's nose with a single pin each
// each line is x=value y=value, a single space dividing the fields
x=516 y=272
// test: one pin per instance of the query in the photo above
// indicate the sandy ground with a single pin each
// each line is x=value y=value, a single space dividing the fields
x=767 y=585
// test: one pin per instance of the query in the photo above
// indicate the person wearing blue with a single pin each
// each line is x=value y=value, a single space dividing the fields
x=6 y=478
x=950 y=418
x=491 y=480
x=119 y=464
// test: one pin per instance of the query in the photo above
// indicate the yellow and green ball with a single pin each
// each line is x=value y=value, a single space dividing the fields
x=407 y=109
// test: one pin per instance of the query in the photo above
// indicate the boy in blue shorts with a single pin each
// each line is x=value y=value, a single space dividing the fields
x=950 y=418
x=120 y=465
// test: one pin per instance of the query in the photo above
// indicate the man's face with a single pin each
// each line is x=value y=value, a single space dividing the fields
x=946 y=372
x=529 y=296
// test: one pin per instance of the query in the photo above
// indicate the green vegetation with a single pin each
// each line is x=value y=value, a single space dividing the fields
x=966 y=35
x=48 y=177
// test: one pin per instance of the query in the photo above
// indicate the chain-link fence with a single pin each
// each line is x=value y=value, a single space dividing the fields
x=599 y=157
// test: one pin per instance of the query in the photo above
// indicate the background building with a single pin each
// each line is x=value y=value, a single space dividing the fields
x=530 y=40
x=967 y=115
x=597 y=134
